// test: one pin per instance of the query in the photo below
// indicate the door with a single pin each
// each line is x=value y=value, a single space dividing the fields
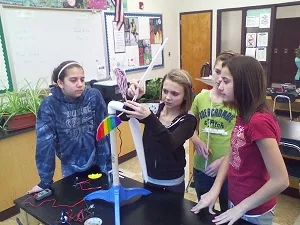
x=286 y=40
x=195 y=44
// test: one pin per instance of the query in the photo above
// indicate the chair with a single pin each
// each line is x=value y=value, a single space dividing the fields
x=291 y=156
x=285 y=98
x=289 y=150
x=92 y=82
x=282 y=99
x=205 y=70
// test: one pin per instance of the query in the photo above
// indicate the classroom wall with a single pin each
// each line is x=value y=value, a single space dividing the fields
x=169 y=16
x=171 y=11
x=199 y=5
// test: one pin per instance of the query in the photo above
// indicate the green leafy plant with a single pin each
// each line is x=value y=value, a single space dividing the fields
x=25 y=100
x=152 y=90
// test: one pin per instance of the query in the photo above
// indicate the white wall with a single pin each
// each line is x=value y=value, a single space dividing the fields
x=199 y=5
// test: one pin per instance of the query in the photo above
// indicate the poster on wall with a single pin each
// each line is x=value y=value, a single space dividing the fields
x=119 y=38
x=131 y=28
x=262 y=39
x=250 y=52
x=143 y=35
x=250 y=40
x=145 y=56
x=261 y=54
x=156 y=31
x=264 y=20
x=252 y=21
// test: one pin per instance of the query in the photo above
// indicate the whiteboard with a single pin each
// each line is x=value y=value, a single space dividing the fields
x=39 y=39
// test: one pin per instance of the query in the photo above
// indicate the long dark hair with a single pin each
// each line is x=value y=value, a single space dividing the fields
x=249 y=83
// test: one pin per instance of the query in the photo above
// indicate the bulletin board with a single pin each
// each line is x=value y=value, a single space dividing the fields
x=258 y=23
x=135 y=44
x=5 y=76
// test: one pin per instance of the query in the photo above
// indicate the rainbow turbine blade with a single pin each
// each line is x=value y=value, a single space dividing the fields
x=107 y=125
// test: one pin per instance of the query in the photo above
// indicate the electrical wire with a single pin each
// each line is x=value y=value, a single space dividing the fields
x=79 y=216
x=121 y=141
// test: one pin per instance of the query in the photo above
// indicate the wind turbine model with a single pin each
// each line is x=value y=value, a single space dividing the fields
x=117 y=193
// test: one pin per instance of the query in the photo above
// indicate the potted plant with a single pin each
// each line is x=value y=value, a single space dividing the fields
x=18 y=108
x=152 y=94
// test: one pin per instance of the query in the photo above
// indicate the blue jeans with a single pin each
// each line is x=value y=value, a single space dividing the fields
x=203 y=184
x=262 y=219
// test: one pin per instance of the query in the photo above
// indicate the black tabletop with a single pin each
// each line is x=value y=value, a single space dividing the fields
x=290 y=134
x=290 y=131
x=271 y=92
x=158 y=208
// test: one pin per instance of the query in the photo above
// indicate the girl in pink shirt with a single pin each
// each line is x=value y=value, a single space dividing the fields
x=255 y=168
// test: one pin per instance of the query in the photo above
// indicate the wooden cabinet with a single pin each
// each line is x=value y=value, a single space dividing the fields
x=18 y=172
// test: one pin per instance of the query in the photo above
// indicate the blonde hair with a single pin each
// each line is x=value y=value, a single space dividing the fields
x=182 y=78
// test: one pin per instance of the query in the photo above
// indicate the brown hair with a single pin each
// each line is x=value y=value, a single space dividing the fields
x=298 y=52
x=64 y=71
x=183 y=78
x=249 y=84
x=225 y=55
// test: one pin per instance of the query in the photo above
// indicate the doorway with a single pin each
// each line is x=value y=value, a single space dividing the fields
x=195 y=44
x=286 y=40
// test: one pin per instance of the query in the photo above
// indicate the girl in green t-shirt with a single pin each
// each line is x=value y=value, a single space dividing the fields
x=212 y=141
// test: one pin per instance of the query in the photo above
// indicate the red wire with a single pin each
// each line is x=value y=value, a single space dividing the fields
x=121 y=142
x=84 y=181
x=79 y=217
x=87 y=189
x=25 y=202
